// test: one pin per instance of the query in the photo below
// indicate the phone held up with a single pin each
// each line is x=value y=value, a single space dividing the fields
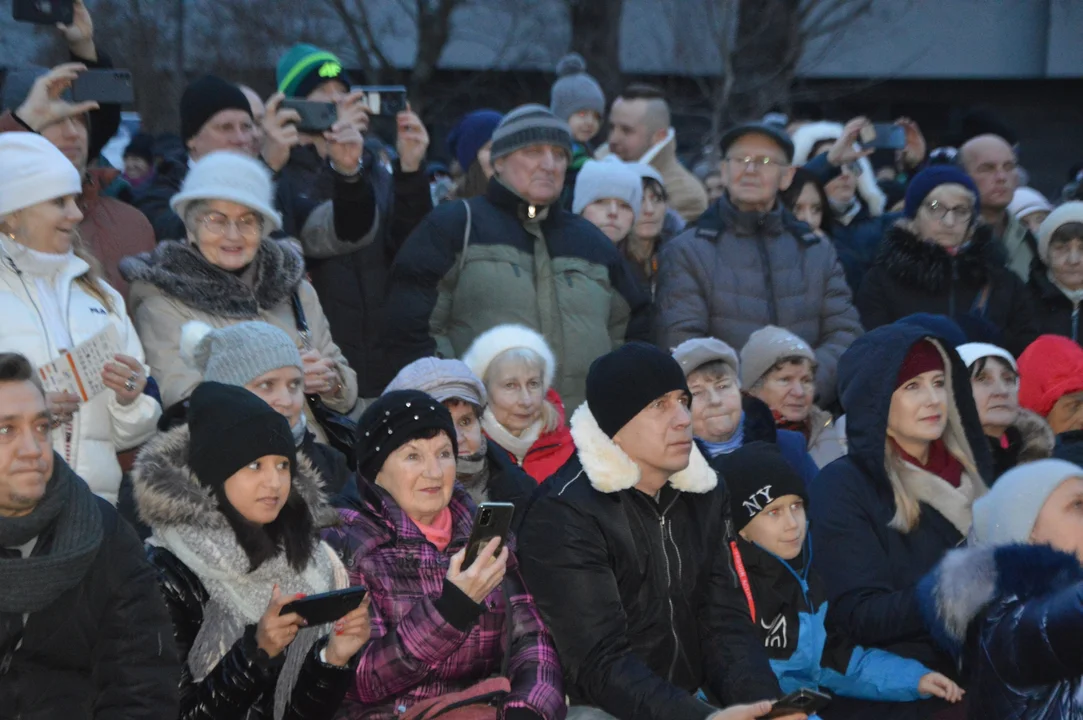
x=43 y=12
x=800 y=702
x=883 y=136
x=388 y=100
x=316 y=117
x=493 y=519
x=103 y=86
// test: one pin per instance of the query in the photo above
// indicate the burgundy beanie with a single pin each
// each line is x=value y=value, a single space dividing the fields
x=923 y=357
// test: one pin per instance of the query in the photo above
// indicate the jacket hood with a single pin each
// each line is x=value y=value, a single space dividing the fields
x=968 y=580
x=178 y=270
x=928 y=267
x=610 y=470
x=168 y=494
x=807 y=136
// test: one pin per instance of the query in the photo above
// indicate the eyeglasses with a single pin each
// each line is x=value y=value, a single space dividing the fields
x=757 y=162
x=249 y=226
x=939 y=211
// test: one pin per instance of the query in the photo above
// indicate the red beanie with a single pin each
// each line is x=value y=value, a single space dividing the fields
x=923 y=357
x=1050 y=368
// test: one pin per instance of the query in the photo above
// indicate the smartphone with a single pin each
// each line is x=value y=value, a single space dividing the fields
x=326 y=607
x=103 y=86
x=493 y=519
x=803 y=701
x=43 y=12
x=316 y=117
x=387 y=100
x=883 y=136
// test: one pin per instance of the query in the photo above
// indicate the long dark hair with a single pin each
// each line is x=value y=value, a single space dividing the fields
x=292 y=531
x=801 y=178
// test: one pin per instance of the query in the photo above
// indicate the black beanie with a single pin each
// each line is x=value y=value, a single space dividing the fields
x=757 y=474
x=206 y=97
x=141 y=145
x=395 y=419
x=230 y=428
x=621 y=383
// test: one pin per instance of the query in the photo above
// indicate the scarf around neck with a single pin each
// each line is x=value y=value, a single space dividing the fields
x=299 y=430
x=517 y=446
x=736 y=440
x=940 y=463
x=439 y=533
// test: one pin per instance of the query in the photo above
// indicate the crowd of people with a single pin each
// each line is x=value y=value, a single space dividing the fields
x=323 y=354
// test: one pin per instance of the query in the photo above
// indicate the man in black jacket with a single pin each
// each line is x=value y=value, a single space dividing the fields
x=83 y=629
x=625 y=550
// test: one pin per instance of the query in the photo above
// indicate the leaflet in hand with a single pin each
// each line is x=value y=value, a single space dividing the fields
x=79 y=371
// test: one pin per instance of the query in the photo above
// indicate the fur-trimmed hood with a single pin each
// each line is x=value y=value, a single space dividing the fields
x=928 y=267
x=179 y=271
x=610 y=470
x=168 y=494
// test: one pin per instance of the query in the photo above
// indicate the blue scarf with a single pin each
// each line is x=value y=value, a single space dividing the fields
x=727 y=446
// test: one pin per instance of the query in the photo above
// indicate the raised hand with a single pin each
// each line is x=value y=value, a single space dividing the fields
x=413 y=140
x=279 y=133
x=44 y=105
x=80 y=34
x=846 y=150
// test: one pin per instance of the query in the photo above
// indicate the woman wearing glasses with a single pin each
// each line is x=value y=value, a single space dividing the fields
x=227 y=271
x=939 y=259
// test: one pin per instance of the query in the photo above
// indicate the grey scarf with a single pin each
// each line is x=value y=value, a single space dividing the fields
x=28 y=585
x=472 y=472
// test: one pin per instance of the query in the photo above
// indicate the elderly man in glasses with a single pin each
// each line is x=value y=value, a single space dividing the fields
x=748 y=262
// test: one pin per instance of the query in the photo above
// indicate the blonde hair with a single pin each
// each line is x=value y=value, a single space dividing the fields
x=93 y=279
x=525 y=357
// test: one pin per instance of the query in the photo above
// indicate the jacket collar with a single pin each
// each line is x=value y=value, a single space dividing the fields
x=375 y=503
x=927 y=266
x=663 y=153
x=506 y=199
x=724 y=216
x=610 y=470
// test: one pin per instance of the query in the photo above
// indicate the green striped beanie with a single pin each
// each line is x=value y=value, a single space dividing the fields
x=305 y=67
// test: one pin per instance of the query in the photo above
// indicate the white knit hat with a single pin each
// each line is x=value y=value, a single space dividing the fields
x=1007 y=513
x=228 y=175
x=1027 y=201
x=808 y=136
x=604 y=179
x=972 y=352
x=501 y=338
x=32 y=171
x=1069 y=212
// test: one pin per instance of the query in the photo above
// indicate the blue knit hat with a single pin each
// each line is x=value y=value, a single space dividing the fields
x=933 y=177
x=471 y=134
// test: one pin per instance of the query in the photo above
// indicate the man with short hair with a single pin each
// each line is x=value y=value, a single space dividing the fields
x=749 y=263
x=626 y=551
x=992 y=163
x=640 y=132
x=84 y=632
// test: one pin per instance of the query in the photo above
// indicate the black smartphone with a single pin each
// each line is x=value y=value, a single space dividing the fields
x=493 y=519
x=316 y=117
x=883 y=136
x=103 y=86
x=43 y=12
x=326 y=607
x=803 y=701
x=387 y=100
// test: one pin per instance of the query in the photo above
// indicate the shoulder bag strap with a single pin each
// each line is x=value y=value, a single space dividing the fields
x=300 y=320
x=466 y=235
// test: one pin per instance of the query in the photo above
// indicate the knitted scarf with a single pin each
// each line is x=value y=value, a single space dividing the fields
x=472 y=472
x=517 y=446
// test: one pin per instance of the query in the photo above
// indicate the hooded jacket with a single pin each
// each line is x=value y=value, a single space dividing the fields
x=429 y=638
x=735 y=272
x=870 y=562
x=973 y=287
x=241 y=686
x=1056 y=313
x=640 y=593
x=1014 y=614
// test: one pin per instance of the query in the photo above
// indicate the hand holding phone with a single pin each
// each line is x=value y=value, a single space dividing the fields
x=103 y=86
x=315 y=117
x=326 y=607
x=883 y=136
x=48 y=99
x=386 y=100
x=800 y=702
x=43 y=12
x=484 y=575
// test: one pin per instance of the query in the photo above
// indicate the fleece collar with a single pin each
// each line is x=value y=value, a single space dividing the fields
x=610 y=470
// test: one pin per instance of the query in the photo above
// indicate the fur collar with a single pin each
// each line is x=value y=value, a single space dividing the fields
x=179 y=271
x=1038 y=437
x=610 y=470
x=967 y=580
x=928 y=267
x=167 y=494
x=951 y=502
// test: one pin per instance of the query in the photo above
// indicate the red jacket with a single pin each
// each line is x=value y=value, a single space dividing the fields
x=551 y=449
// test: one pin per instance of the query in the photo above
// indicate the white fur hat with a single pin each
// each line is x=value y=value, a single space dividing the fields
x=1027 y=201
x=228 y=175
x=494 y=341
x=32 y=171
x=808 y=136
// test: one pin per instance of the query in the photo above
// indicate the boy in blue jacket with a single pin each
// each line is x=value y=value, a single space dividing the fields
x=786 y=600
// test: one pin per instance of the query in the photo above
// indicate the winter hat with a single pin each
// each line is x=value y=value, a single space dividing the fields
x=645 y=171
x=529 y=125
x=697 y=352
x=442 y=379
x=933 y=177
x=973 y=352
x=1027 y=201
x=494 y=341
x=779 y=136
x=230 y=428
x=142 y=146
x=757 y=474
x=394 y=419
x=305 y=67
x=1007 y=513
x=621 y=383
x=1069 y=212
x=923 y=357
x=206 y=97
x=575 y=90
x=471 y=134
x=1050 y=368
x=237 y=354
x=767 y=346
x=33 y=170
x=940 y=326
x=228 y=175
x=809 y=136
x=602 y=180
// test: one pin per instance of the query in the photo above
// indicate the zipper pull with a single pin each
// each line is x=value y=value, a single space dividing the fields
x=531 y=211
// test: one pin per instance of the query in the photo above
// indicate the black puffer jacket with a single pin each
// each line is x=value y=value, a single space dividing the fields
x=640 y=595
x=973 y=287
x=1057 y=315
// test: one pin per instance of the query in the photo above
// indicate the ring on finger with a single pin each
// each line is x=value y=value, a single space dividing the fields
x=129 y=385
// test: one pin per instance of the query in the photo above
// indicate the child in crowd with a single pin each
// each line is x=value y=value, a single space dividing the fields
x=578 y=99
x=786 y=600
x=609 y=194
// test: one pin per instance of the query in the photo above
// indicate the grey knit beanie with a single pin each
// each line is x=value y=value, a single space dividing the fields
x=237 y=354
x=442 y=379
x=767 y=346
x=697 y=352
x=601 y=180
x=575 y=90
x=529 y=125
x=1007 y=513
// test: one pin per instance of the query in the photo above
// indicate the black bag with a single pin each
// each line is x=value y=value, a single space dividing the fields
x=341 y=430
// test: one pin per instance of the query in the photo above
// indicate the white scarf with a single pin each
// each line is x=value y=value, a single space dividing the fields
x=517 y=446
